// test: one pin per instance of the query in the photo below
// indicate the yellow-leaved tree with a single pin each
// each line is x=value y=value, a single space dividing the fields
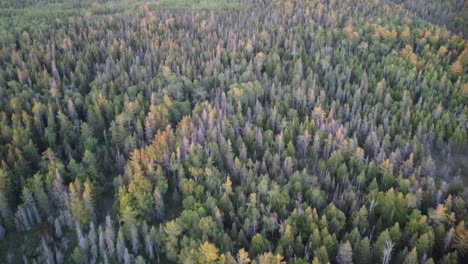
x=208 y=253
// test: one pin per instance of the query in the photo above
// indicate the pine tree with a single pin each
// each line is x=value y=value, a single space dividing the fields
x=58 y=227
x=110 y=236
x=88 y=199
x=157 y=240
x=158 y=204
x=102 y=243
x=460 y=240
x=2 y=232
x=149 y=246
x=259 y=245
x=172 y=231
x=322 y=254
x=411 y=258
x=134 y=238
x=40 y=194
x=381 y=245
x=4 y=208
x=47 y=252
x=345 y=253
x=120 y=248
x=140 y=260
x=127 y=257
x=363 y=254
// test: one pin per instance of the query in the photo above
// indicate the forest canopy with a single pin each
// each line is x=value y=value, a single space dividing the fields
x=233 y=131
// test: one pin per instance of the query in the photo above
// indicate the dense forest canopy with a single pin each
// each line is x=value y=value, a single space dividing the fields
x=233 y=131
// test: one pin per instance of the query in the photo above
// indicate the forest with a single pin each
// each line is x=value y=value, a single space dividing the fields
x=234 y=131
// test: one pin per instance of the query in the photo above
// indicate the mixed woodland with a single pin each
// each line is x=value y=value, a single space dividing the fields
x=234 y=131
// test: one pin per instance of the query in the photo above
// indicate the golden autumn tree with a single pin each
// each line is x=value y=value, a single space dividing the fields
x=270 y=258
x=457 y=67
x=243 y=257
x=208 y=253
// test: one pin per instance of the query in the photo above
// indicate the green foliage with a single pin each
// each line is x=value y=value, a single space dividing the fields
x=259 y=245
x=200 y=4
x=196 y=131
